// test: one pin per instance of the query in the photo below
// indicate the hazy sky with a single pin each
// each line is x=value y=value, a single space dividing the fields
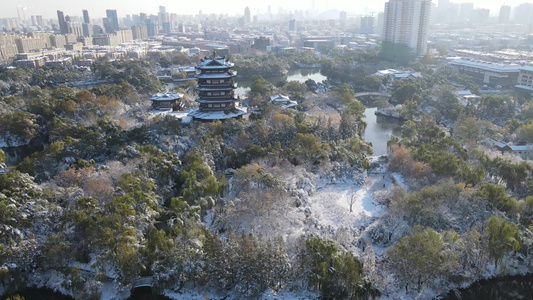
x=48 y=8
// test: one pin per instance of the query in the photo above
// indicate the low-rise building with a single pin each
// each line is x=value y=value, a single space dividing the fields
x=466 y=97
x=525 y=79
x=502 y=74
x=283 y=100
x=63 y=62
x=524 y=151
x=166 y=101
x=31 y=63
x=397 y=74
x=74 y=46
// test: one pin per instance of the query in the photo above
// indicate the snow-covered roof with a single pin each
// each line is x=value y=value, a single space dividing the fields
x=486 y=66
x=464 y=93
x=218 y=75
x=285 y=101
x=186 y=120
x=215 y=63
x=218 y=115
x=525 y=87
x=497 y=143
x=527 y=68
x=528 y=147
x=213 y=88
x=279 y=97
x=397 y=74
x=166 y=96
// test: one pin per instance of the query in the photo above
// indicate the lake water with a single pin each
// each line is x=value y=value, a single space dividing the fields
x=503 y=288
x=40 y=293
x=300 y=75
x=379 y=130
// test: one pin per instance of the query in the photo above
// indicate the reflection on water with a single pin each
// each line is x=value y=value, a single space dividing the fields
x=379 y=130
x=506 y=288
x=300 y=75
x=145 y=293
x=15 y=155
x=39 y=294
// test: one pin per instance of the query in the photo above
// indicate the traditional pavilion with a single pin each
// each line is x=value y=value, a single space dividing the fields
x=283 y=100
x=216 y=90
x=166 y=101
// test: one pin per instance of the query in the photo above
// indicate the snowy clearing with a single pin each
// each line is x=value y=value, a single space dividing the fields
x=331 y=205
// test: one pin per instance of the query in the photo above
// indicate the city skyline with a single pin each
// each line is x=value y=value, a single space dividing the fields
x=98 y=9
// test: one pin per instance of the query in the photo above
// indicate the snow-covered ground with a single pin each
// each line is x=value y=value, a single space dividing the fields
x=330 y=205
x=176 y=114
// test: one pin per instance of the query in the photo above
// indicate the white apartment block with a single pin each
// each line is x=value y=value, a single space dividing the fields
x=406 y=22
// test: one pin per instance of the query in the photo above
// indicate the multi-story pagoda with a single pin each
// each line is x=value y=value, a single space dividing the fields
x=216 y=90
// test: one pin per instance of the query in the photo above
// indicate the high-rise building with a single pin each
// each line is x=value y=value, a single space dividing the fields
x=162 y=15
x=139 y=32
x=381 y=22
x=75 y=28
x=367 y=24
x=39 y=20
x=143 y=17
x=151 y=28
x=112 y=18
x=505 y=14
x=86 y=19
x=444 y=4
x=465 y=12
x=88 y=30
x=292 y=25
x=480 y=15
x=247 y=17
x=406 y=22
x=342 y=19
x=62 y=23
x=523 y=13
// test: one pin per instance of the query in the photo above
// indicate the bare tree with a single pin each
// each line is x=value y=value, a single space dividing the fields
x=352 y=198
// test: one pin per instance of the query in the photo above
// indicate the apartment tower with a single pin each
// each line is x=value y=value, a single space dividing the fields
x=406 y=22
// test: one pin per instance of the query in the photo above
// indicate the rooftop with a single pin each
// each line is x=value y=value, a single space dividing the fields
x=217 y=115
x=215 y=63
x=487 y=66
x=166 y=96
x=285 y=101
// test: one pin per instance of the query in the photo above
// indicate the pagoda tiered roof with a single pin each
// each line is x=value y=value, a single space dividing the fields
x=168 y=96
x=215 y=90
x=215 y=63
x=217 y=75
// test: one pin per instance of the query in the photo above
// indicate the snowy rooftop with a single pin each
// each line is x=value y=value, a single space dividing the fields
x=396 y=73
x=176 y=114
x=215 y=63
x=528 y=147
x=487 y=66
x=499 y=144
x=527 y=68
x=217 y=75
x=464 y=93
x=166 y=96
x=218 y=115
x=525 y=87
x=285 y=101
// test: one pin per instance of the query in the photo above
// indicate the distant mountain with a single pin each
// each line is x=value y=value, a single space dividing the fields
x=329 y=14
